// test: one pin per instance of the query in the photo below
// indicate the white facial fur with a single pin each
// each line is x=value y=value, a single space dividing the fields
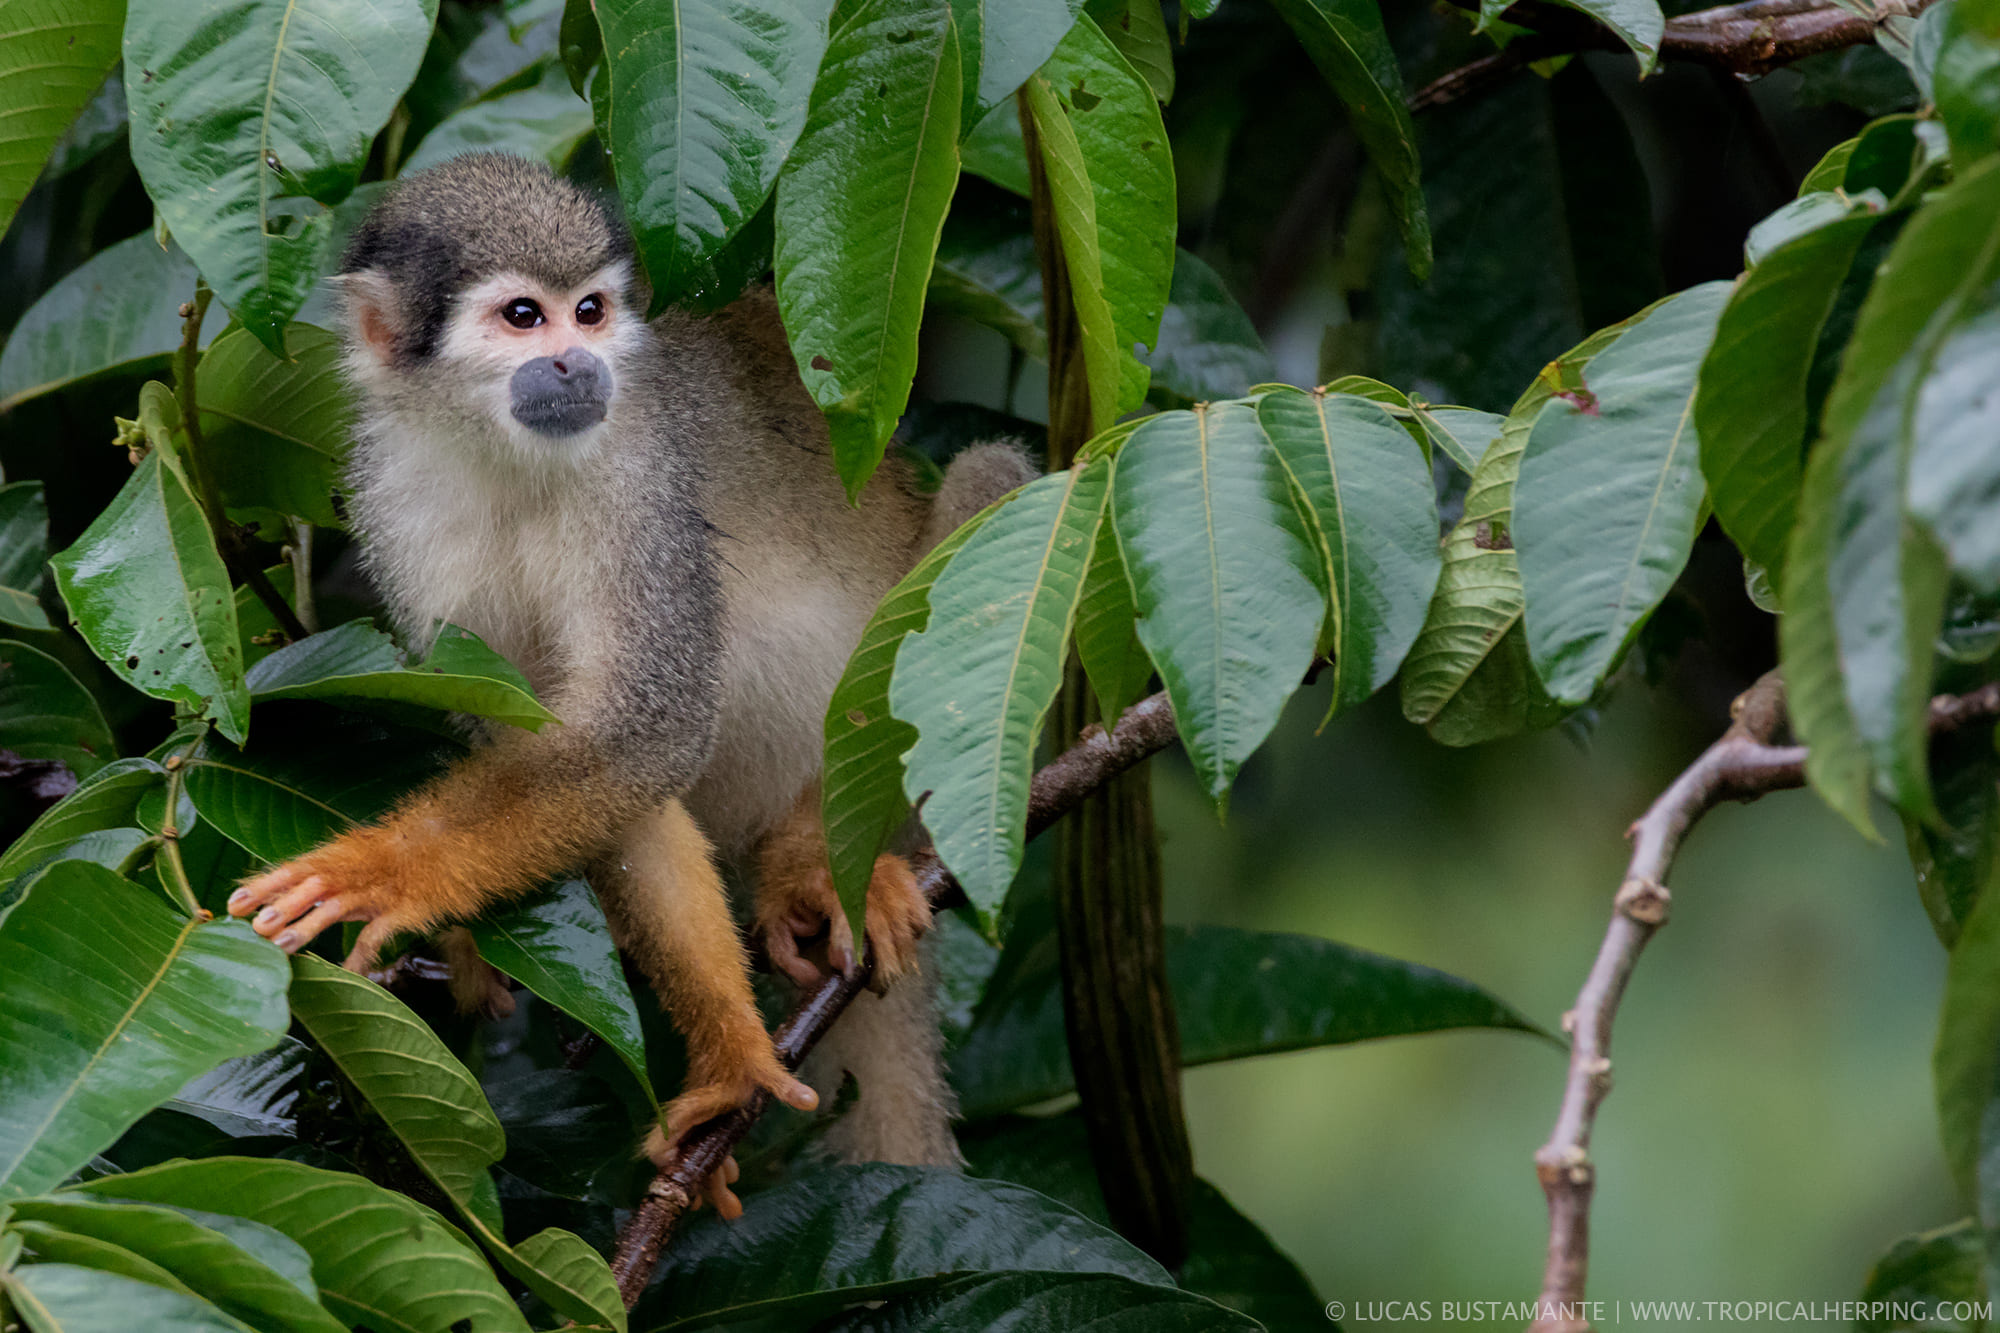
x=461 y=395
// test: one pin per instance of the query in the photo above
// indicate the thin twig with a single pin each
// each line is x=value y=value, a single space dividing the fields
x=1742 y=766
x=235 y=553
x=1744 y=40
x=1146 y=728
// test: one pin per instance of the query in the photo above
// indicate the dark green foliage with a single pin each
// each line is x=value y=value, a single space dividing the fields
x=298 y=1148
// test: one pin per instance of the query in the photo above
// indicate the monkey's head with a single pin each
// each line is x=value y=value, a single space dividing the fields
x=487 y=292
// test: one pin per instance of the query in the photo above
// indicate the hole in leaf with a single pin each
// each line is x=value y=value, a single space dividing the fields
x=899 y=38
x=1082 y=98
x=132 y=662
x=821 y=363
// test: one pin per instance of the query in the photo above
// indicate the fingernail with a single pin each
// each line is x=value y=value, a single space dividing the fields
x=238 y=898
x=287 y=940
x=267 y=916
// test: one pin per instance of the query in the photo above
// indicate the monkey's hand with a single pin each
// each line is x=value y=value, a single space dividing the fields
x=794 y=909
x=360 y=876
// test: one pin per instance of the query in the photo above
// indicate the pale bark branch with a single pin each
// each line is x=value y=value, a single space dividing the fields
x=1741 y=766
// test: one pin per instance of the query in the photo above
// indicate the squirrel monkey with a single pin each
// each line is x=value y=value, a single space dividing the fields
x=646 y=520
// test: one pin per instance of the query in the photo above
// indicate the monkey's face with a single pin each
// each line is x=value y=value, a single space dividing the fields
x=542 y=365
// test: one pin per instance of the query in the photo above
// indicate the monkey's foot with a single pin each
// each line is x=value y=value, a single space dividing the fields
x=356 y=877
x=710 y=1097
x=799 y=910
x=714 y=1189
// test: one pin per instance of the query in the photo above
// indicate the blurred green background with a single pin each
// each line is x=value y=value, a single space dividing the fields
x=1770 y=1131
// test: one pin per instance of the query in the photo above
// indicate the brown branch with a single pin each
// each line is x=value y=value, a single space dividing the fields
x=1745 y=40
x=1146 y=728
x=1741 y=766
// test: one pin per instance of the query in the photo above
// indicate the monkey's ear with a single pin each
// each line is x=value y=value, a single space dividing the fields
x=374 y=316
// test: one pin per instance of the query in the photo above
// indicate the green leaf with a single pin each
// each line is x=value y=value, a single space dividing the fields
x=1111 y=183
x=860 y=206
x=46 y=713
x=296 y=419
x=1346 y=40
x=1050 y=1303
x=358 y=661
x=1610 y=494
x=1805 y=215
x=1752 y=403
x=1468 y=677
x=545 y=121
x=861 y=792
x=251 y=1095
x=148 y=591
x=204 y=1254
x=1372 y=518
x=95 y=1035
x=24 y=549
x=1922 y=1280
x=856 y=1233
x=1954 y=467
x=1831 y=170
x=1218 y=560
x=995 y=150
x=1463 y=433
x=286 y=795
x=250 y=118
x=53 y=56
x=64 y=1298
x=406 y=1074
x=1107 y=631
x=1966 y=80
x=1864 y=589
x=704 y=100
x=1638 y=23
x=381 y=1260
x=1005 y=41
x=107 y=799
x=1229 y=1258
x=1967 y=1060
x=438 y=1112
x=1138 y=29
x=581 y=42
x=116 y=314
x=1238 y=993
x=986 y=271
x=560 y=947
x=1208 y=349
x=1958 y=859
x=977 y=681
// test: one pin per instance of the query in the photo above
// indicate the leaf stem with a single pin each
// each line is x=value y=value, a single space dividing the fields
x=173 y=871
x=235 y=553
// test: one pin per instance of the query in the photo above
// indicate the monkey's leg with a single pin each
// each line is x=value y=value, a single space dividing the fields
x=476 y=986
x=795 y=901
x=670 y=912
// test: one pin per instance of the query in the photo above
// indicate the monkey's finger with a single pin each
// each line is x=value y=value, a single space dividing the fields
x=727 y=1206
x=330 y=911
x=793 y=1093
x=289 y=906
x=256 y=892
x=368 y=944
x=782 y=948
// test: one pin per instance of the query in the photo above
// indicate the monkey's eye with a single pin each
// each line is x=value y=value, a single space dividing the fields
x=590 y=310
x=522 y=313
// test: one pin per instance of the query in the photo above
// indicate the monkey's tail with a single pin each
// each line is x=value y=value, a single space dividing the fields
x=892 y=1045
x=979 y=474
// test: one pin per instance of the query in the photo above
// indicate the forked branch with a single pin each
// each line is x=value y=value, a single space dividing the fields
x=1742 y=766
x=1146 y=728
x=1744 y=40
